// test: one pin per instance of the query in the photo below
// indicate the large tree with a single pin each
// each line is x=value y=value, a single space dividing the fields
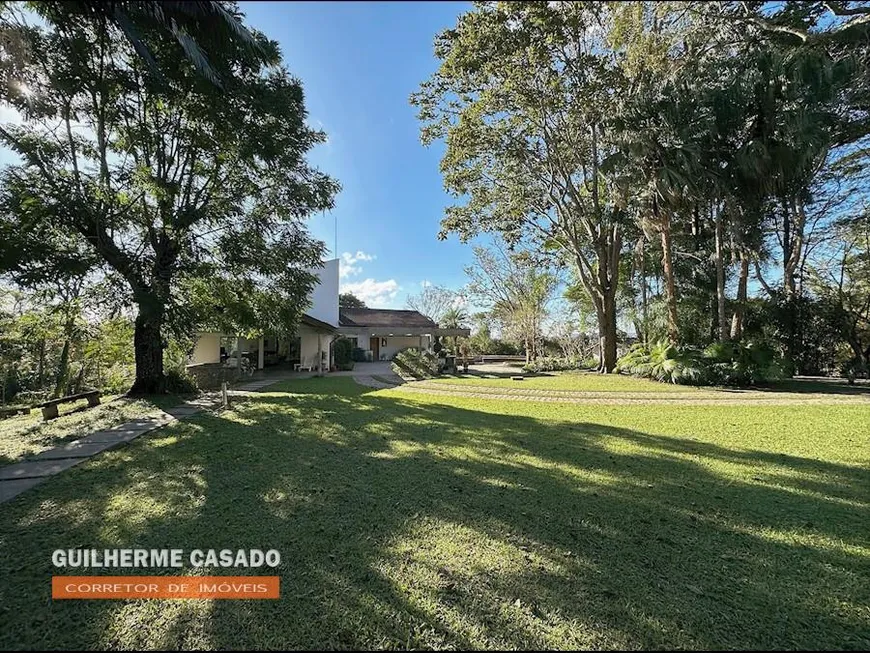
x=192 y=196
x=349 y=300
x=516 y=290
x=523 y=98
x=199 y=27
x=432 y=301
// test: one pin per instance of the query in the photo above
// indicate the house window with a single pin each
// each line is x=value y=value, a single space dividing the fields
x=383 y=342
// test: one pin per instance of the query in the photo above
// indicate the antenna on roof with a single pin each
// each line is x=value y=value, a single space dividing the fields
x=335 y=251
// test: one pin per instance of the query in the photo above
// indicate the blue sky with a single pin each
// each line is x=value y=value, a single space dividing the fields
x=359 y=62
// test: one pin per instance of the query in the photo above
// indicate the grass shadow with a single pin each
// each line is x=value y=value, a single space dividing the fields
x=412 y=524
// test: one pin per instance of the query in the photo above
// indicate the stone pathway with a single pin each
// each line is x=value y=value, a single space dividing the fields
x=376 y=383
x=19 y=477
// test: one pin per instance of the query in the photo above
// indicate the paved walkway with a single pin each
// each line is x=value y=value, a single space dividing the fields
x=379 y=383
x=19 y=477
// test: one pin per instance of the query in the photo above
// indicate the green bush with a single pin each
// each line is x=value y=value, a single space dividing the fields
x=663 y=362
x=358 y=355
x=719 y=364
x=415 y=364
x=342 y=350
x=180 y=383
x=554 y=364
x=118 y=378
x=31 y=397
x=742 y=364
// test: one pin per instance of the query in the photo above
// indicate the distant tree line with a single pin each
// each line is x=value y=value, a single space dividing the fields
x=698 y=169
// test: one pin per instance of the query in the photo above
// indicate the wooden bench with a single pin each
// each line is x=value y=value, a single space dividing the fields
x=49 y=408
x=11 y=411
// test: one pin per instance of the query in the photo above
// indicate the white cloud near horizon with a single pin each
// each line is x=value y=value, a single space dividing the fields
x=375 y=294
x=349 y=264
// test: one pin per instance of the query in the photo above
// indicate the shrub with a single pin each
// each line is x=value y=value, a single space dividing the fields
x=722 y=363
x=414 y=364
x=118 y=378
x=751 y=363
x=31 y=397
x=664 y=362
x=554 y=364
x=342 y=350
x=180 y=383
x=851 y=369
x=358 y=355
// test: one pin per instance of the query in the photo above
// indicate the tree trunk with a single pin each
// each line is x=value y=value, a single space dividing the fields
x=41 y=368
x=62 y=379
x=740 y=306
x=644 y=299
x=62 y=371
x=670 y=285
x=607 y=335
x=148 y=347
x=720 y=278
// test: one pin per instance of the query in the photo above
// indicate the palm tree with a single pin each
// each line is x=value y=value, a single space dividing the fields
x=454 y=318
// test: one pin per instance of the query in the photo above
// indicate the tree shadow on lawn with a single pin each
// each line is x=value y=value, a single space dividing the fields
x=408 y=525
x=817 y=386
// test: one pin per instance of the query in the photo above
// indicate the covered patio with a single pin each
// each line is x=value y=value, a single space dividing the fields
x=382 y=333
x=219 y=357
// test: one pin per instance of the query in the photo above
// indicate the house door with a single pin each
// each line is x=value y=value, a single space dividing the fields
x=375 y=346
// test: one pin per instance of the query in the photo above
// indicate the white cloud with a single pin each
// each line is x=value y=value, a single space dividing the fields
x=349 y=264
x=375 y=294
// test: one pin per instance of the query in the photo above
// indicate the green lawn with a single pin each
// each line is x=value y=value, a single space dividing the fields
x=591 y=382
x=26 y=435
x=578 y=381
x=407 y=520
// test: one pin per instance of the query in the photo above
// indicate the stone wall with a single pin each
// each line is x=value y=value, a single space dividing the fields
x=209 y=376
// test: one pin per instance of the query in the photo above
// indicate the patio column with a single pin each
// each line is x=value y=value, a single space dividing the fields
x=319 y=355
x=261 y=355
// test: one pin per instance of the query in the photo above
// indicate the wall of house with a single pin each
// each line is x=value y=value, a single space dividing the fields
x=207 y=349
x=397 y=343
x=324 y=296
x=308 y=344
x=394 y=343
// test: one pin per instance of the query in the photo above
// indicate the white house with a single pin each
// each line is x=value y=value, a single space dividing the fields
x=381 y=333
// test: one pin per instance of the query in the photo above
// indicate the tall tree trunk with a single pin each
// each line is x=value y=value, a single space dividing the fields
x=740 y=305
x=607 y=334
x=60 y=381
x=794 y=222
x=62 y=378
x=644 y=296
x=720 y=277
x=41 y=368
x=670 y=285
x=148 y=348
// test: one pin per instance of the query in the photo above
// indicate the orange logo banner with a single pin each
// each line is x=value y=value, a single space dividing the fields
x=165 y=587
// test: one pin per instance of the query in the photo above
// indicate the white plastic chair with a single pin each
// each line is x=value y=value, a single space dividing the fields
x=307 y=365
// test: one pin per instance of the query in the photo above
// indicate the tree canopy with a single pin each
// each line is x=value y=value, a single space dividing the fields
x=676 y=156
x=190 y=198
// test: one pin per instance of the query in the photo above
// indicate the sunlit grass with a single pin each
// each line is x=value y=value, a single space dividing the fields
x=577 y=381
x=592 y=382
x=26 y=435
x=413 y=521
